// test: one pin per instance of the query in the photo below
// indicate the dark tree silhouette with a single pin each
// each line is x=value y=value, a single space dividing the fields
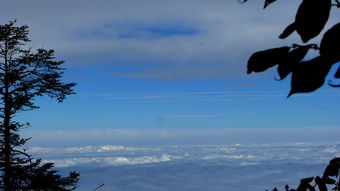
x=24 y=76
x=320 y=183
x=307 y=76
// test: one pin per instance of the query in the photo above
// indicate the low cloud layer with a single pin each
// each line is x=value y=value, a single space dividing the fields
x=203 y=167
x=242 y=154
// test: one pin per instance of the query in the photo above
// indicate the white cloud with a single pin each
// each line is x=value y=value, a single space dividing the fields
x=193 y=116
x=87 y=149
x=212 y=96
x=110 y=161
x=87 y=32
x=237 y=157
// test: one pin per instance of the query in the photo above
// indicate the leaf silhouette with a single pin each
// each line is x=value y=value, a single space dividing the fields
x=304 y=184
x=307 y=180
x=337 y=74
x=310 y=75
x=335 y=161
x=321 y=184
x=287 y=187
x=293 y=58
x=268 y=2
x=310 y=19
x=330 y=44
x=330 y=170
x=262 y=60
x=329 y=181
x=288 y=30
x=333 y=85
x=310 y=187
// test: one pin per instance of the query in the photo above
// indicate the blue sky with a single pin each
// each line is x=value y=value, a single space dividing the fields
x=168 y=66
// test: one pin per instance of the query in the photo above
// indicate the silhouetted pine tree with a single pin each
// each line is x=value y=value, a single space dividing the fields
x=25 y=75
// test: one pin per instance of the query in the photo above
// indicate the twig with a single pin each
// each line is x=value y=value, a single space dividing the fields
x=102 y=185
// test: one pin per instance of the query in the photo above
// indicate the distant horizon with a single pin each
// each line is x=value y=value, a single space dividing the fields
x=171 y=137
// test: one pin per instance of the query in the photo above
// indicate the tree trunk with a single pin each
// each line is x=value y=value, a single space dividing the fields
x=7 y=131
x=7 y=153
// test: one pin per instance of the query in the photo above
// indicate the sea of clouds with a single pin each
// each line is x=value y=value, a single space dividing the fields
x=238 y=167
